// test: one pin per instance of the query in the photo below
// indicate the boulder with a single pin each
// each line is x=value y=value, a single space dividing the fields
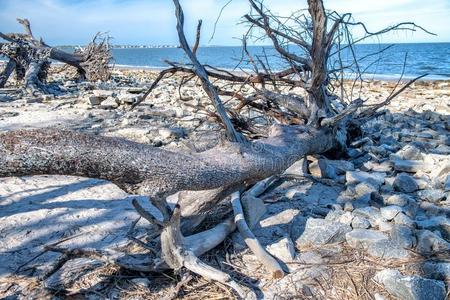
x=355 y=177
x=403 y=236
x=109 y=103
x=360 y=223
x=398 y=199
x=436 y=270
x=362 y=238
x=387 y=249
x=429 y=242
x=321 y=231
x=322 y=169
x=405 y=183
x=410 y=287
x=403 y=219
x=410 y=166
x=390 y=212
x=283 y=250
x=432 y=195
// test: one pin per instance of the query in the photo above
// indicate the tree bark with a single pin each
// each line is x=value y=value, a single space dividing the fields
x=6 y=73
x=143 y=169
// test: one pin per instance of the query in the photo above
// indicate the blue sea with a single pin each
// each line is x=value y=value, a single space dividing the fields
x=421 y=58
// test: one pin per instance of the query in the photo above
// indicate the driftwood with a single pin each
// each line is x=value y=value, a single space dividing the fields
x=323 y=124
x=29 y=57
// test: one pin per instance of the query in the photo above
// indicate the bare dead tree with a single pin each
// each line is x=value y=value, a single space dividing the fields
x=296 y=125
x=30 y=58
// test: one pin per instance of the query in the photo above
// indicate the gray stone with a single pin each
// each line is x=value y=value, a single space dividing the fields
x=300 y=168
x=334 y=215
x=403 y=219
x=128 y=98
x=93 y=100
x=168 y=133
x=398 y=199
x=387 y=249
x=389 y=212
x=428 y=242
x=365 y=188
x=109 y=103
x=410 y=287
x=322 y=169
x=403 y=236
x=320 y=232
x=434 y=196
x=409 y=152
x=33 y=99
x=447 y=183
x=283 y=250
x=440 y=223
x=360 y=222
x=103 y=94
x=370 y=213
x=363 y=238
x=341 y=166
x=346 y=218
x=405 y=183
x=436 y=270
x=410 y=166
x=355 y=177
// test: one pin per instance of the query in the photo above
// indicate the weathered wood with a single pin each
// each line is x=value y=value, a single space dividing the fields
x=147 y=170
x=6 y=73
x=92 y=63
x=249 y=238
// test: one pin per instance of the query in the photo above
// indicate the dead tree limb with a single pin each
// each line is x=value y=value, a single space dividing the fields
x=249 y=238
x=205 y=179
x=92 y=62
x=203 y=76
x=6 y=73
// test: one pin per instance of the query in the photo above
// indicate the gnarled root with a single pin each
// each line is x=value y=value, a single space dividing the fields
x=178 y=252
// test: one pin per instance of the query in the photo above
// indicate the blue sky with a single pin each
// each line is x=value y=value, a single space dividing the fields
x=153 y=22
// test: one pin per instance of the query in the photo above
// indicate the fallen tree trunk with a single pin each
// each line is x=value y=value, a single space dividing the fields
x=147 y=170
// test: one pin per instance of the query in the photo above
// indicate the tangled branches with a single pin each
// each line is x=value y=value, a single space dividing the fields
x=30 y=58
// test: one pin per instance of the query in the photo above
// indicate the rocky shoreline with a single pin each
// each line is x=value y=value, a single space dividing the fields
x=374 y=226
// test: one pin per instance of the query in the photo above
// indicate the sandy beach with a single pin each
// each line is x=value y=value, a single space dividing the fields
x=333 y=235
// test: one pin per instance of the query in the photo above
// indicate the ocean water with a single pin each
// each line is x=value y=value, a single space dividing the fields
x=421 y=58
x=431 y=58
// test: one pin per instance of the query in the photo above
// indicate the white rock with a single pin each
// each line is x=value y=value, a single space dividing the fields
x=283 y=250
